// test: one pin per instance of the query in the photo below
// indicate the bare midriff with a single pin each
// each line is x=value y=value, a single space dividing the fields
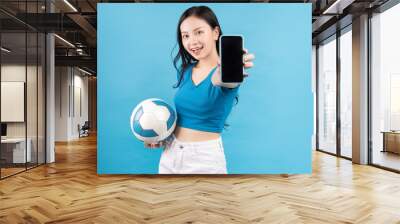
x=191 y=135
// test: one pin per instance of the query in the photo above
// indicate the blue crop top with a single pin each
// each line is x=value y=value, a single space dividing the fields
x=204 y=107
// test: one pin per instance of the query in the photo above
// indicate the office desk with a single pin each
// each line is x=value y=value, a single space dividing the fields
x=15 y=148
x=391 y=141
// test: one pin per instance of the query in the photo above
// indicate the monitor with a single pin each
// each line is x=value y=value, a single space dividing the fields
x=3 y=129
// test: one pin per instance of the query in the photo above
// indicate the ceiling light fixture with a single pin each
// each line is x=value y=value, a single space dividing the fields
x=70 y=5
x=5 y=50
x=338 y=6
x=79 y=51
x=84 y=71
x=64 y=40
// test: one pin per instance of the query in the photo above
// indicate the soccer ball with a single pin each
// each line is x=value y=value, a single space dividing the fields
x=153 y=120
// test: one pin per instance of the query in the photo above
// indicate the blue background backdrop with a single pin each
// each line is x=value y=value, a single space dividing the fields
x=271 y=127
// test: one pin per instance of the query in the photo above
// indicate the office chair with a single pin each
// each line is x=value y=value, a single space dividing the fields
x=84 y=130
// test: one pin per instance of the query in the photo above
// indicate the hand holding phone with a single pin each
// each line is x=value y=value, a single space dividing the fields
x=234 y=59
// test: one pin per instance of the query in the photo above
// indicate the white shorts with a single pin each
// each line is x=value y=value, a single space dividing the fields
x=205 y=157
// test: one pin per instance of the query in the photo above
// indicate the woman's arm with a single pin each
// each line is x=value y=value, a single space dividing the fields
x=217 y=80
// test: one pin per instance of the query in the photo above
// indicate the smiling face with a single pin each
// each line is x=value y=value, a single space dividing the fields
x=198 y=38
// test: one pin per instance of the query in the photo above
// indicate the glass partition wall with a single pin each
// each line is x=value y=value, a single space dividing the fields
x=334 y=104
x=334 y=86
x=22 y=88
x=385 y=89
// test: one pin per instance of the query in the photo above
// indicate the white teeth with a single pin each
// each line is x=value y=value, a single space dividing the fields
x=197 y=50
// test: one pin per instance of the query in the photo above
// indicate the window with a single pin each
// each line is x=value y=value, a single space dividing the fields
x=346 y=93
x=385 y=88
x=327 y=95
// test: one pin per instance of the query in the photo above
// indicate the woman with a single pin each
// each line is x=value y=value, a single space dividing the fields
x=202 y=101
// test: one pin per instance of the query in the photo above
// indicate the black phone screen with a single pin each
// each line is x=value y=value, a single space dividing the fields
x=231 y=58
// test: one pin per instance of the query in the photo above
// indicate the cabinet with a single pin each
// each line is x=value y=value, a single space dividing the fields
x=391 y=141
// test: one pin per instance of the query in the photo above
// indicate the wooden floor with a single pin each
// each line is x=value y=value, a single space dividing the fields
x=5 y=172
x=70 y=191
x=387 y=159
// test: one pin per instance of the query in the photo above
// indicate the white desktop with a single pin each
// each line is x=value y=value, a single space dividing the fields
x=19 y=155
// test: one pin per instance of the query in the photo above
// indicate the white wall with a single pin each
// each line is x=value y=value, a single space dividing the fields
x=12 y=73
x=15 y=72
x=62 y=81
x=33 y=127
x=71 y=93
x=79 y=110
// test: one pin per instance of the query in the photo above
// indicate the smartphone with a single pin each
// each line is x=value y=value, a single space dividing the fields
x=231 y=54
